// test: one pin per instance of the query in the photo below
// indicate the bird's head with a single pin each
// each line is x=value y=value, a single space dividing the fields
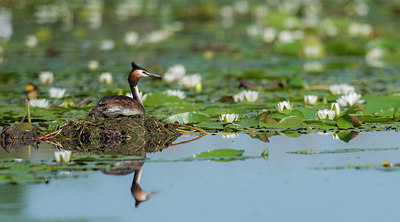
x=139 y=72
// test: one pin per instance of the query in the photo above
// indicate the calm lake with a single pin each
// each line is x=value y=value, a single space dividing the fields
x=285 y=187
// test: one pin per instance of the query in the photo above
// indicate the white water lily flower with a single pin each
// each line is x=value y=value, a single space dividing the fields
x=107 y=44
x=177 y=93
x=283 y=105
x=238 y=97
x=106 y=77
x=362 y=29
x=285 y=36
x=175 y=72
x=326 y=114
x=157 y=36
x=42 y=103
x=246 y=96
x=31 y=41
x=47 y=13
x=131 y=38
x=229 y=118
x=230 y=136
x=336 y=107
x=349 y=99
x=93 y=65
x=190 y=81
x=63 y=156
x=250 y=95
x=310 y=99
x=141 y=95
x=56 y=93
x=269 y=35
x=374 y=57
x=46 y=78
x=338 y=89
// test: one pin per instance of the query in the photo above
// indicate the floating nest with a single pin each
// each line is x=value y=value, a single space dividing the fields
x=125 y=135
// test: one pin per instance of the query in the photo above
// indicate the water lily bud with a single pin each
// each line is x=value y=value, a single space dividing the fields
x=283 y=105
x=310 y=99
x=336 y=108
x=229 y=118
x=62 y=156
x=326 y=114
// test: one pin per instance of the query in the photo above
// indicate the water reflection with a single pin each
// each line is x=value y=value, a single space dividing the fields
x=345 y=136
x=137 y=168
x=284 y=180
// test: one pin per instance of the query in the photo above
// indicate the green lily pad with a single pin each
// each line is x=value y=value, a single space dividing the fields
x=345 y=122
x=189 y=117
x=291 y=122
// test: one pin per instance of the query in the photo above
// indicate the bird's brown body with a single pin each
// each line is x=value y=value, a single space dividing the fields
x=117 y=105
x=123 y=105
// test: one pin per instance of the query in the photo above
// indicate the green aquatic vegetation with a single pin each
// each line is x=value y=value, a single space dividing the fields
x=223 y=155
x=306 y=62
x=351 y=150
x=18 y=171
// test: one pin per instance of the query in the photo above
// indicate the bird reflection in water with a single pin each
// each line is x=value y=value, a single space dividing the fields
x=136 y=167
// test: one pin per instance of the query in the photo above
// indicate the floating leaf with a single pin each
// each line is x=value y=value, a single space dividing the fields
x=268 y=122
x=205 y=125
x=291 y=122
x=345 y=122
x=219 y=155
x=189 y=117
x=249 y=122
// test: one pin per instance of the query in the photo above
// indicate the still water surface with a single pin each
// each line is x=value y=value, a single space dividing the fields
x=282 y=188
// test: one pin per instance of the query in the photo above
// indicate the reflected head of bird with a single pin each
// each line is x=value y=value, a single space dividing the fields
x=139 y=72
x=139 y=194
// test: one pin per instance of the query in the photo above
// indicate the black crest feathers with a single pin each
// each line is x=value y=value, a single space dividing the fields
x=134 y=66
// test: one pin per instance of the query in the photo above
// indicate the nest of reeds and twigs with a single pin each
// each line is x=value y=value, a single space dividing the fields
x=126 y=135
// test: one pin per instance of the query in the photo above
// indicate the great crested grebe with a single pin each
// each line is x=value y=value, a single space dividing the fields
x=124 y=105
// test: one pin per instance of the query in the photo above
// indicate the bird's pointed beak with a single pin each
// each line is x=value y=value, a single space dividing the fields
x=153 y=75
